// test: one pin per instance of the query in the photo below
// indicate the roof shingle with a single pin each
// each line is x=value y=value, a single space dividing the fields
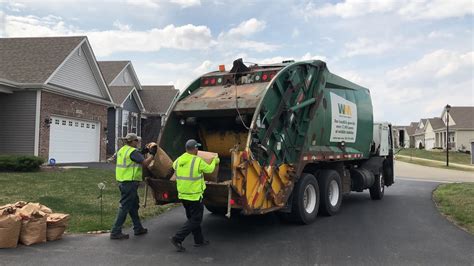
x=33 y=60
x=111 y=69
x=119 y=93
x=157 y=99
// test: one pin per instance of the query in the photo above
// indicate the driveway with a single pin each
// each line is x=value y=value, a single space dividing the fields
x=402 y=229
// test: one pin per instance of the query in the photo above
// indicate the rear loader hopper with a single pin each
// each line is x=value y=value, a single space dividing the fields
x=292 y=138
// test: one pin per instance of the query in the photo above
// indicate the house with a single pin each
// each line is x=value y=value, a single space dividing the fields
x=419 y=134
x=410 y=134
x=53 y=99
x=430 y=133
x=461 y=128
x=126 y=116
x=157 y=100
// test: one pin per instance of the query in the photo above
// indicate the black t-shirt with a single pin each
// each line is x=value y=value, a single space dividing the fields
x=137 y=157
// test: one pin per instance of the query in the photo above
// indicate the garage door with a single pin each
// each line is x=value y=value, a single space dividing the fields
x=73 y=140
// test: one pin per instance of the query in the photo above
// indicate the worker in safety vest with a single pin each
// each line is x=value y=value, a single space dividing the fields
x=128 y=173
x=189 y=169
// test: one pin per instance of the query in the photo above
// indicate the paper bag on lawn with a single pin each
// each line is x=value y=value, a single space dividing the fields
x=10 y=226
x=31 y=208
x=56 y=225
x=33 y=230
x=162 y=165
x=208 y=156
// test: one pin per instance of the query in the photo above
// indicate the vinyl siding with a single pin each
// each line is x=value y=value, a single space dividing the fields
x=123 y=79
x=17 y=120
x=76 y=74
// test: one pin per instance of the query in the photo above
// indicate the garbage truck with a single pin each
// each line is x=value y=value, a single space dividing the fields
x=292 y=138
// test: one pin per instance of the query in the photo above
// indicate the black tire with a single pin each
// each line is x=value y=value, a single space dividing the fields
x=331 y=192
x=216 y=209
x=303 y=210
x=377 y=190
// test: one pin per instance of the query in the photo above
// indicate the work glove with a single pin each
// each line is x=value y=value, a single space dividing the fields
x=217 y=160
x=145 y=151
x=153 y=150
x=152 y=147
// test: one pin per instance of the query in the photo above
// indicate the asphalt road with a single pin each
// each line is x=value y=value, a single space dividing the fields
x=402 y=229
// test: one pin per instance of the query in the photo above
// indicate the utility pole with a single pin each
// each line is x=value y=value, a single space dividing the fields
x=447 y=134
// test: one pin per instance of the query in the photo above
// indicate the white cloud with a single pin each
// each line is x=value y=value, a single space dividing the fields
x=186 y=37
x=350 y=8
x=438 y=64
x=237 y=37
x=122 y=27
x=436 y=9
x=205 y=67
x=144 y=3
x=246 y=28
x=187 y=3
x=407 y=9
x=154 y=4
x=364 y=46
x=295 y=33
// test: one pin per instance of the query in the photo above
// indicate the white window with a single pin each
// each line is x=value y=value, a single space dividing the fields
x=63 y=122
x=125 y=123
x=134 y=122
x=76 y=124
x=56 y=121
x=70 y=123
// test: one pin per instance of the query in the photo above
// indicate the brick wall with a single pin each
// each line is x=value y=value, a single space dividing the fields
x=53 y=104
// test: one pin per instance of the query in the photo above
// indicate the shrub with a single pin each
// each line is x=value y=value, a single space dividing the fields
x=22 y=163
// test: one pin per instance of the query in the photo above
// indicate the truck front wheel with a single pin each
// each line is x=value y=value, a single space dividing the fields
x=305 y=203
x=378 y=188
x=331 y=192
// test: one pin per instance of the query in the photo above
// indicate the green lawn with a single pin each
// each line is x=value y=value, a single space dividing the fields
x=456 y=201
x=72 y=191
x=438 y=155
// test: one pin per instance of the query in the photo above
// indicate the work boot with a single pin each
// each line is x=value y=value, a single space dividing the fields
x=177 y=244
x=141 y=231
x=204 y=243
x=119 y=236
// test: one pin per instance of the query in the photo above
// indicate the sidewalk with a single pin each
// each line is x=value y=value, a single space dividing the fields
x=465 y=166
x=415 y=171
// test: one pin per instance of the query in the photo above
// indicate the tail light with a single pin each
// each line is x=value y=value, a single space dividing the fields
x=232 y=202
x=165 y=195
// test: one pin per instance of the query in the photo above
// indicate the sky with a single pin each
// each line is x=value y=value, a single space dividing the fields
x=415 y=56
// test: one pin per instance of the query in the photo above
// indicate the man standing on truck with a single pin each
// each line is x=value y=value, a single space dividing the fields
x=128 y=173
x=189 y=169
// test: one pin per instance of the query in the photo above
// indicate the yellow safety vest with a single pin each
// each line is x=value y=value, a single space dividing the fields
x=189 y=179
x=126 y=169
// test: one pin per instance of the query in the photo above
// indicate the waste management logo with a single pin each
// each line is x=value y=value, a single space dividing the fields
x=343 y=119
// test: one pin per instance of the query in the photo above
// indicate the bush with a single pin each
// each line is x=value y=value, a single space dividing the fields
x=24 y=163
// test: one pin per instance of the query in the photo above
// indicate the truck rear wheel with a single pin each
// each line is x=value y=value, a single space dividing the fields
x=305 y=203
x=378 y=188
x=331 y=192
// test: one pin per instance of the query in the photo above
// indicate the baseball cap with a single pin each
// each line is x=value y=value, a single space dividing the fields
x=132 y=137
x=192 y=144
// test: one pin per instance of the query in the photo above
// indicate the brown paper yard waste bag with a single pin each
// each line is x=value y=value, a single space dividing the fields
x=33 y=225
x=10 y=226
x=56 y=225
x=208 y=156
x=162 y=165
x=33 y=230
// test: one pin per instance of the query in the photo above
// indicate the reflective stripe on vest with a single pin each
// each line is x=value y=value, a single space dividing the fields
x=126 y=169
x=190 y=187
